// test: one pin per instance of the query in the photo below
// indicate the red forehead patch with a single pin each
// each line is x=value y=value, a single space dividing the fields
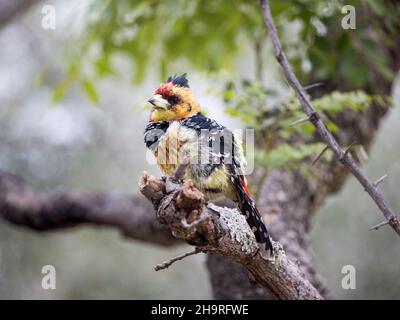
x=165 y=90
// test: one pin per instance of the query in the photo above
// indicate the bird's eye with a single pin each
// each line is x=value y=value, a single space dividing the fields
x=173 y=100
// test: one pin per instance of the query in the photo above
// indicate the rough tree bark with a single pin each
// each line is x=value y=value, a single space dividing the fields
x=132 y=215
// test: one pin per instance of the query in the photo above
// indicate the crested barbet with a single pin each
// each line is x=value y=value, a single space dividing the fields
x=178 y=130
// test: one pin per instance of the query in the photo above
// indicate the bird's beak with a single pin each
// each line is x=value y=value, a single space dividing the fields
x=159 y=102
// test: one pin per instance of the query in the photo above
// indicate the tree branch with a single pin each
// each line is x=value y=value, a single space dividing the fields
x=213 y=229
x=133 y=215
x=225 y=231
x=316 y=120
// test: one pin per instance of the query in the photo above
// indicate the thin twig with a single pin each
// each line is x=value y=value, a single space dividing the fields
x=319 y=156
x=321 y=127
x=168 y=263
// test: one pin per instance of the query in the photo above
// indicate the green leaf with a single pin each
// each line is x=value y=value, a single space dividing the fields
x=60 y=90
x=90 y=91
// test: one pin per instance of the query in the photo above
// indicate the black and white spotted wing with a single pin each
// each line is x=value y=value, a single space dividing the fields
x=153 y=133
x=234 y=162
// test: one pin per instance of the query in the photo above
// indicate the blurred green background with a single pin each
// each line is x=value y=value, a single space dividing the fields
x=72 y=113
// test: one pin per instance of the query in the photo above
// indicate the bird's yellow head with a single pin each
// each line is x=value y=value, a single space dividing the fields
x=173 y=100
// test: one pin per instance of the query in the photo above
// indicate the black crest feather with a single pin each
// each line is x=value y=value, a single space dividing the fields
x=179 y=80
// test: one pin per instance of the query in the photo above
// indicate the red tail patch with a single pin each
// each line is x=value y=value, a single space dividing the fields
x=245 y=187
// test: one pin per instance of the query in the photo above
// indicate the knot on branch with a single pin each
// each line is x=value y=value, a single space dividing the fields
x=152 y=189
x=189 y=198
x=182 y=207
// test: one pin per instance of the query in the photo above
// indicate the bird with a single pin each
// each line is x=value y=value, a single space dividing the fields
x=177 y=129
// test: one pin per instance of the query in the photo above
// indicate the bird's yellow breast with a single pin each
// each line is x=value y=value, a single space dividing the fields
x=177 y=143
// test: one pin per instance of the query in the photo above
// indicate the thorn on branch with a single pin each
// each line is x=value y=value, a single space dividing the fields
x=166 y=264
x=311 y=117
x=314 y=85
x=377 y=182
x=376 y=227
x=347 y=150
x=319 y=155
x=302 y=120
